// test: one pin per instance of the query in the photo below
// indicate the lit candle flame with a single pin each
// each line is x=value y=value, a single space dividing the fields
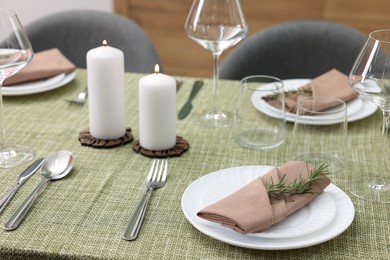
x=156 y=69
x=104 y=43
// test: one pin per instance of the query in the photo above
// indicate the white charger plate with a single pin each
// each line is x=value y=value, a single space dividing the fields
x=39 y=85
x=193 y=200
x=357 y=109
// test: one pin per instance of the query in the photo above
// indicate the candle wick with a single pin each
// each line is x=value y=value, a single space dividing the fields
x=156 y=69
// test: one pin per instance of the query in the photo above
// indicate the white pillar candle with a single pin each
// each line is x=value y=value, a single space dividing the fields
x=105 y=69
x=157 y=111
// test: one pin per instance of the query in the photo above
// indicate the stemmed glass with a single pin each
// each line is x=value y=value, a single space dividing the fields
x=370 y=76
x=15 y=53
x=216 y=25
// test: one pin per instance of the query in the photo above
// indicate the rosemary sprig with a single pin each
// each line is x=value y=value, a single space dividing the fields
x=281 y=190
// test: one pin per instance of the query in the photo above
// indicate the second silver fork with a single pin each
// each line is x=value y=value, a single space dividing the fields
x=80 y=99
x=156 y=179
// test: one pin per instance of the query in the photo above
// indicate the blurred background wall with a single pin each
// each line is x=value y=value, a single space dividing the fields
x=29 y=10
x=163 y=21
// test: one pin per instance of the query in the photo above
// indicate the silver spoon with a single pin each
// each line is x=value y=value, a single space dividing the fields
x=56 y=166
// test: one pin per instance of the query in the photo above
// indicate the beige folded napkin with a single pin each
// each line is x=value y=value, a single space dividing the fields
x=330 y=84
x=249 y=209
x=44 y=64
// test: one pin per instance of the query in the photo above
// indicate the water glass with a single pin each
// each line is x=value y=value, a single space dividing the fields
x=252 y=127
x=320 y=137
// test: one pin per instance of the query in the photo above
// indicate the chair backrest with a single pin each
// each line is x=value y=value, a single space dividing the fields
x=76 y=32
x=297 y=49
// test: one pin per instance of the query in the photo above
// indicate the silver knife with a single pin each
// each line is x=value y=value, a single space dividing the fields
x=186 y=109
x=27 y=173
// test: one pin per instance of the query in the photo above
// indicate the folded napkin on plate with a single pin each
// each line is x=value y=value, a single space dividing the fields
x=249 y=209
x=330 y=84
x=44 y=64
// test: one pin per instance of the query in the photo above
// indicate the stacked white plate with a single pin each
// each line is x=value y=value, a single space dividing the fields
x=39 y=85
x=357 y=109
x=324 y=218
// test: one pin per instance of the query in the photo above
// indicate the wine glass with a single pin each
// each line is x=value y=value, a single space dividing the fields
x=370 y=76
x=15 y=53
x=216 y=25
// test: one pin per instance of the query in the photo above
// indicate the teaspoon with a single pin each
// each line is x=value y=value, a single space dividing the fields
x=56 y=166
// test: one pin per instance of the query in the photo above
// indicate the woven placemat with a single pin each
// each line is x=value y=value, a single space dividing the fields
x=87 y=139
x=180 y=147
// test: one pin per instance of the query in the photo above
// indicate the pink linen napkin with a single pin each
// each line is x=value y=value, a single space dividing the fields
x=249 y=209
x=330 y=84
x=44 y=64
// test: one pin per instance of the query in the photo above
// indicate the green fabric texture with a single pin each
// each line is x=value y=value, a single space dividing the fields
x=84 y=215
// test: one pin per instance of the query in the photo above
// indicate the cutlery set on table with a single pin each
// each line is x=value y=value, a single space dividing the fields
x=54 y=167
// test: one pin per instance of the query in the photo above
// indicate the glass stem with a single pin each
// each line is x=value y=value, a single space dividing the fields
x=215 y=82
x=2 y=128
x=385 y=130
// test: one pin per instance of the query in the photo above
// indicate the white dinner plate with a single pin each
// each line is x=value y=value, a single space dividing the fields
x=357 y=109
x=193 y=200
x=39 y=85
x=314 y=216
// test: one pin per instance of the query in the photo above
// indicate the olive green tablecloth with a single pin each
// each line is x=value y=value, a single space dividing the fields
x=84 y=215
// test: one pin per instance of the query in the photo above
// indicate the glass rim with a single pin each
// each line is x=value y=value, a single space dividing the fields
x=375 y=35
x=271 y=79
x=341 y=107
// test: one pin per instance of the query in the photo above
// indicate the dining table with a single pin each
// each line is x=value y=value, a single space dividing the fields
x=84 y=215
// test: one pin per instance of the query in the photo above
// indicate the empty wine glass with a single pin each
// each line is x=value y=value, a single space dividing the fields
x=216 y=25
x=370 y=76
x=15 y=53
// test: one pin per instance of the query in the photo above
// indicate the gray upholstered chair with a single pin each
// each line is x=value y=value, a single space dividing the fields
x=76 y=32
x=298 y=49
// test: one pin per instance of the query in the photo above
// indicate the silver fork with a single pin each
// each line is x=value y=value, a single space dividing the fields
x=80 y=99
x=156 y=179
